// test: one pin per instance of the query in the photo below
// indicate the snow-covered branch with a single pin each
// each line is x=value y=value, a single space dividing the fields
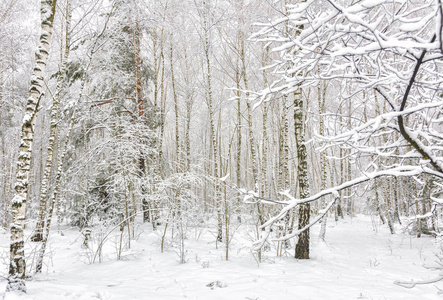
x=334 y=191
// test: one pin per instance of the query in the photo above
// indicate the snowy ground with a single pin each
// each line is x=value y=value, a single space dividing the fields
x=357 y=262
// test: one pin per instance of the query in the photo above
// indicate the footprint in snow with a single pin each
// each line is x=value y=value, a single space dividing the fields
x=216 y=284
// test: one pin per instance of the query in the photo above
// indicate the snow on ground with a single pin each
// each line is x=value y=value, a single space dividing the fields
x=358 y=261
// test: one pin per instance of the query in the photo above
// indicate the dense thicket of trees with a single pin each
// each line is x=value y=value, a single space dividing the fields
x=218 y=113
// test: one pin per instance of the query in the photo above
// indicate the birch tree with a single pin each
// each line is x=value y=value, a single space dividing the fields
x=209 y=101
x=304 y=213
x=17 y=266
x=38 y=236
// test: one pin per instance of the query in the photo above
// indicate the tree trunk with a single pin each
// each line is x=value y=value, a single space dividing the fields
x=189 y=103
x=17 y=266
x=302 y=248
x=321 y=94
x=55 y=193
x=174 y=94
x=212 y=126
x=38 y=234
x=239 y=138
x=250 y=128
x=155 y=213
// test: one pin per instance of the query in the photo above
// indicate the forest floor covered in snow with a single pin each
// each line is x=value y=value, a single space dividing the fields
x=359 y=260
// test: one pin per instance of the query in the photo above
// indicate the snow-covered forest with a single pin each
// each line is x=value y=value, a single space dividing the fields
x=221 y=149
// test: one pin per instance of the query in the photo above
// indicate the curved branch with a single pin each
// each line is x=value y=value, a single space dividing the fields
x=404 y=132
x=411 y=284
x=294 y=202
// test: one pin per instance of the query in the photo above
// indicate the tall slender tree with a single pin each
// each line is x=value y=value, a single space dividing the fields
x=17 y=266
x=302 y=248
x=210 y=102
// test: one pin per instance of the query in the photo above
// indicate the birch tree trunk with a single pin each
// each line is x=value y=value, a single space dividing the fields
x=212 y=126
x=349 y=200
x=304 y=213
x=250 y=127
x=155 y=207
x=239 y=138
x=17 y=266
x=56 y=191
x=189 y=103
x=174 y=94
x=264 y=128
x=323 y=162
x=264 y=154
x=38 y=234
x=283 y=168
